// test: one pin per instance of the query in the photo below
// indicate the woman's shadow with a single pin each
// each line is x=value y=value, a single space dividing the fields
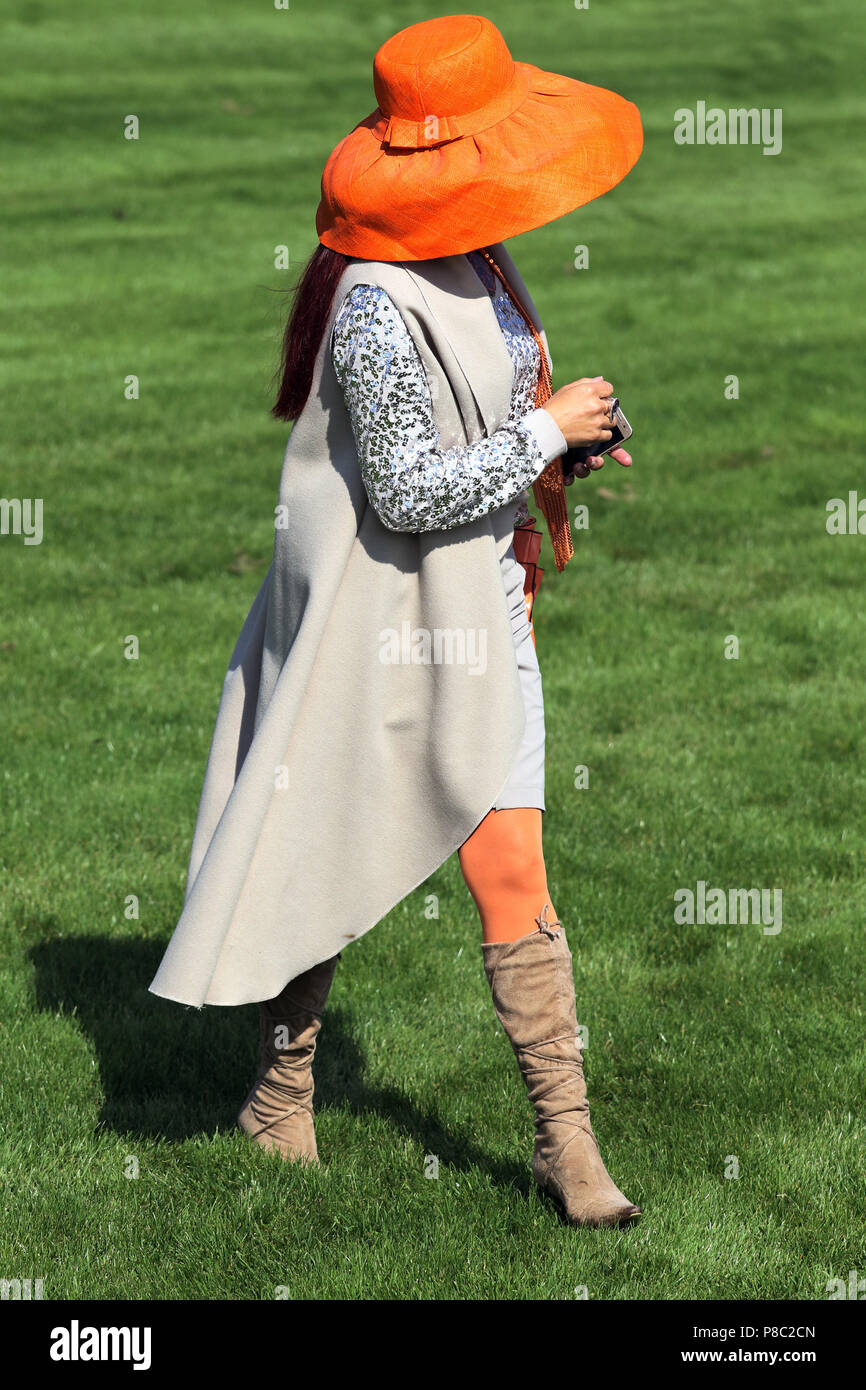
x=171 y=1071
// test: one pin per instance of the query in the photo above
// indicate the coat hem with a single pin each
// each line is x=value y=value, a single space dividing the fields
x=240 y=1003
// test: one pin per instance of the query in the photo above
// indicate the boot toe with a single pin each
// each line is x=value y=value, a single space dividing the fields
x=292 y=1135
x=585 y=1193
x=598 y=1214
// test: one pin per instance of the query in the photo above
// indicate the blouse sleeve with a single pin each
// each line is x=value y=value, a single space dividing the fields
x=412 y=483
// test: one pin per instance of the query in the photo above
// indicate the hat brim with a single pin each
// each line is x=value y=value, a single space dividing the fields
x=565 y=144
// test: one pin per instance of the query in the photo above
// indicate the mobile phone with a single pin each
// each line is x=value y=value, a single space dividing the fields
x=579 y=453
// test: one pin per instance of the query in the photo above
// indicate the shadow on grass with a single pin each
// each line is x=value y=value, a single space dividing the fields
x=170 y=1071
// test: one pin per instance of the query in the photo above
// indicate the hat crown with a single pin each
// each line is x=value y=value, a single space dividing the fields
x=441 y=67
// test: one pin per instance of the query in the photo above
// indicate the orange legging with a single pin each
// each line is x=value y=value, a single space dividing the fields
x=503 y=865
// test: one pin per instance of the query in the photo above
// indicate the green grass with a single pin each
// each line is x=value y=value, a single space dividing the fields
x=156 y=258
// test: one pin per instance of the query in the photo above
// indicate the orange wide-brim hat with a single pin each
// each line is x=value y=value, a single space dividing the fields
x=468 y=147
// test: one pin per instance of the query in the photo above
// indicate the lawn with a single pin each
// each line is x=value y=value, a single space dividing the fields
x=713 y=1050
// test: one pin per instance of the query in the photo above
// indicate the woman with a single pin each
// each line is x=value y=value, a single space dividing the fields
x=383 y=704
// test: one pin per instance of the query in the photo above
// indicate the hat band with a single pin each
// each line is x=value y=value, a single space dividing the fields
x=403 y=133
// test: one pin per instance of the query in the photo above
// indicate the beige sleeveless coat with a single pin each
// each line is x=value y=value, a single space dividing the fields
x=337 y=780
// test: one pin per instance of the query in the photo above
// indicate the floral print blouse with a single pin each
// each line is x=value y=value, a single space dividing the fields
x=412 y=483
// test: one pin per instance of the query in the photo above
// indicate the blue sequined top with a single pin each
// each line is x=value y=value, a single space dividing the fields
x=412 y=483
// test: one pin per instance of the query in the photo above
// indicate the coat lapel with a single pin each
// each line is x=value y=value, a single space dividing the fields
x=465 y=313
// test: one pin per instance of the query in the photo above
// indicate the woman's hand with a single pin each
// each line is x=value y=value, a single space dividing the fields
x=581 y=410
x=595 y=461
x=600 y=393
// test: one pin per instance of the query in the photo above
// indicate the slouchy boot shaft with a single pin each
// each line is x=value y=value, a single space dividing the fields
x=278 y=1112
x=532 y=985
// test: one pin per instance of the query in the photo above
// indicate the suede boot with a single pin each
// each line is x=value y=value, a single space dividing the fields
x=532 y=985
x=278 y=1112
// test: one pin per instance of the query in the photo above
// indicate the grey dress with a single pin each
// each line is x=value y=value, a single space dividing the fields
x=413 y=485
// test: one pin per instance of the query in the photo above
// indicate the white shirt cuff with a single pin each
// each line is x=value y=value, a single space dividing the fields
x=546 y=432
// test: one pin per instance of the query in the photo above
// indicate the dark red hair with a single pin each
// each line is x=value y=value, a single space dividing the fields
x=314 y=295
